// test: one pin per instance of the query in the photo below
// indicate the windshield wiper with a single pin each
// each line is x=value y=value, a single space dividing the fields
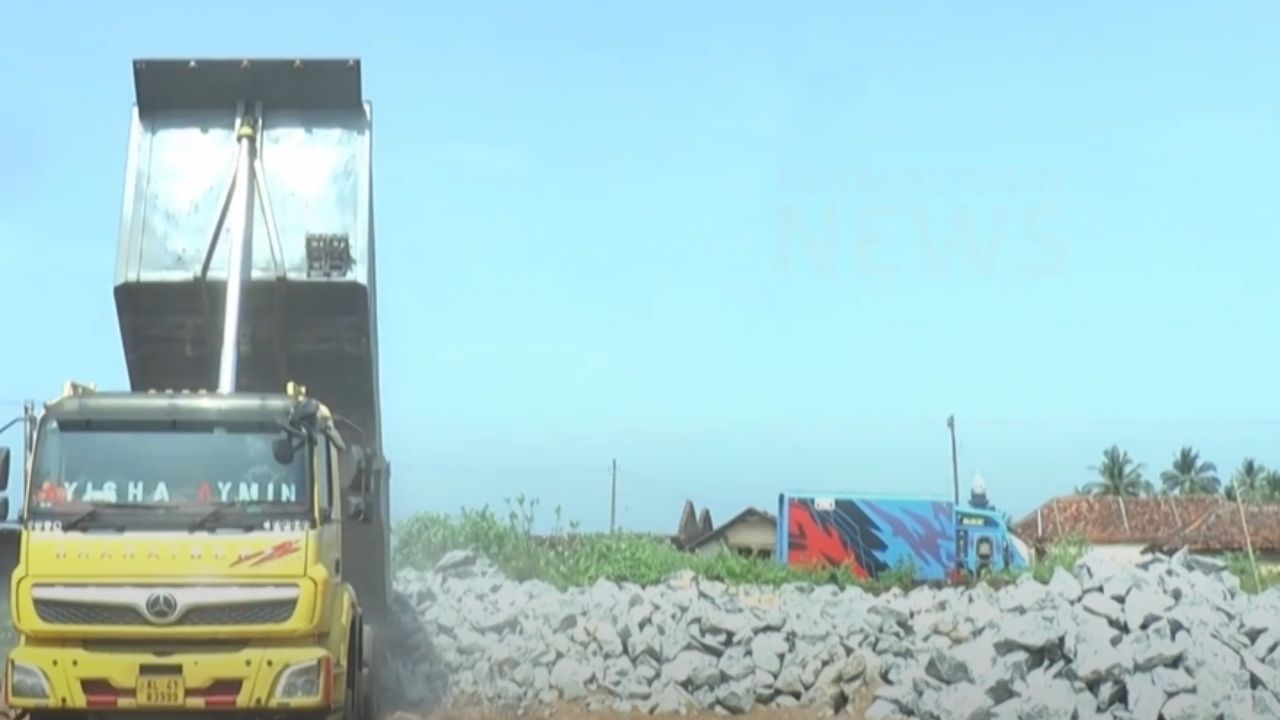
x=217 y=512
x=96 y=508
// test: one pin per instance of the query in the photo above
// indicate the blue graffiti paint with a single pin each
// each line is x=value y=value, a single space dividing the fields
x=874 y=535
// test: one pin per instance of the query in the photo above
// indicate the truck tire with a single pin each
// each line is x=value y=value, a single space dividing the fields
x=354 y=699
x=367 y=675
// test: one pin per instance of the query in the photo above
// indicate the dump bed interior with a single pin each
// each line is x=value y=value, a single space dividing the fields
x=309 y=299
x=308 y=310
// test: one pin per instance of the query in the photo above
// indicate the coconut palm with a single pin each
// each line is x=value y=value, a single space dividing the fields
x=1188 y=475
x=1270 y=486
x=1118 y=474
x=1252 y=479
x=1257 y=483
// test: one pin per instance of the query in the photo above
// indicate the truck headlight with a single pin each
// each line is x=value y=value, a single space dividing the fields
x=300 y=681
x=29 y=683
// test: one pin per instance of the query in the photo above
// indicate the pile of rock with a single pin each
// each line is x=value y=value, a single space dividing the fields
x=1170 y=637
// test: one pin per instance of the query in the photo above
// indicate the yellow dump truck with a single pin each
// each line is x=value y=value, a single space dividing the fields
x=214 y=538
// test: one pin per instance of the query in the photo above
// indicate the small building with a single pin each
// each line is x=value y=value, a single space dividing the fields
x=1126 y=528
x=752 y=533
x=1223 y=530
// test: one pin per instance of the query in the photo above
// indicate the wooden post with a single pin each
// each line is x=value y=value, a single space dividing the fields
x=1248 y=541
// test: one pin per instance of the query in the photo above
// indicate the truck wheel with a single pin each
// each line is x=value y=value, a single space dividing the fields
x=354 y=702
x=351 y=708
x=367 y=675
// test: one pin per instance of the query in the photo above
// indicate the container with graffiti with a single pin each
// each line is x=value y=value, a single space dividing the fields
x=934 y=537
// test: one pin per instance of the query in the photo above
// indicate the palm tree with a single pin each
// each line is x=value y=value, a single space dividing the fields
x=1189 y=476
x=1252 y=480
x=1270 y=486
x=1118 y=475
x=1256 y=482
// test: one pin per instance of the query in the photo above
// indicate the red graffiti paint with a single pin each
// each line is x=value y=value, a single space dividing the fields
x=275 y=552
x=811 y=542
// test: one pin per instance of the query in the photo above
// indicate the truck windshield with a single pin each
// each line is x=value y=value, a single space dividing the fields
x=146 y=468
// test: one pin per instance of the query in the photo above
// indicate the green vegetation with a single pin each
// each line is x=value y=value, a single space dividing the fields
x=1187 y=474
x=570 y=558
x=1118 y=474
x=1065 y=554
x=1256 y=482
x=1238 y=565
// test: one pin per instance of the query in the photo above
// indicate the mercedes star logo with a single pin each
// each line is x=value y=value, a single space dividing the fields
x=162 y=606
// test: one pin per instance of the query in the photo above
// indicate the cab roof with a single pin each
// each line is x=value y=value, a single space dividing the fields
x=126 y=406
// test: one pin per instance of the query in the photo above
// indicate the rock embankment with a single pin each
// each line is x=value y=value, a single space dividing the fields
x=1171 y=638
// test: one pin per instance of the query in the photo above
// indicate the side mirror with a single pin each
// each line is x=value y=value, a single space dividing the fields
x=353 y=468
x=368 y=474
x=356 y=511
x=359 y=478
x=4 y=472
x=283 y=450
x=4 y=507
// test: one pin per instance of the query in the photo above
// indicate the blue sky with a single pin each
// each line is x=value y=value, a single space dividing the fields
x=739 y=248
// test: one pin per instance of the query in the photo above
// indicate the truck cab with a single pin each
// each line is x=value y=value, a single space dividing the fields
x=214 y=538
x=984 y=543
x=183 y=551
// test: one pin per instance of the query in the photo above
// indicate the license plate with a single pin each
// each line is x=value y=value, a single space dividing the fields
x=161 y=691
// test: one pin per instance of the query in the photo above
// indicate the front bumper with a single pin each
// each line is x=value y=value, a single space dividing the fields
x=244 y=678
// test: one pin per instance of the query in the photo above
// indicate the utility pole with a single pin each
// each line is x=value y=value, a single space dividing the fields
x=613 y=498
x=955 y=466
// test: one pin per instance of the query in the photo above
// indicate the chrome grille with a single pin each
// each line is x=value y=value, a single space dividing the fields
x=60 y=612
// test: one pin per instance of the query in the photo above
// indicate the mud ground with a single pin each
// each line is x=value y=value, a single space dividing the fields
x=854 y=711
x=578 y=713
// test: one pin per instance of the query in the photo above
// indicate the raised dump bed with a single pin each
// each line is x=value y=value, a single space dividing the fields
x=309 y=293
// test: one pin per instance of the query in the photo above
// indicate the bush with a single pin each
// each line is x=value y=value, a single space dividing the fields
x=1238 y=564
x=570 y=558
x=1064 y=554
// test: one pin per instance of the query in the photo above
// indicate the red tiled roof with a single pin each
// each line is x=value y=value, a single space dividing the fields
x=1207 y=523
x=1139 y=520
x=1221 y=530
